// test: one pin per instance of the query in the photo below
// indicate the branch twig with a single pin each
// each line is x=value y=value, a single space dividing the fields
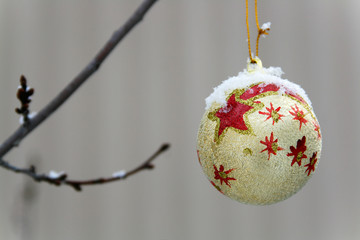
x=61 y=178
x=24 y=94
x=92 y=67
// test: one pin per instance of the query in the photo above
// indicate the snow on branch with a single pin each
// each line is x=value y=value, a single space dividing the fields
x=61 y=178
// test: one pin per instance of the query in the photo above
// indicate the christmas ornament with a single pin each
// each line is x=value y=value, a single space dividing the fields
x=259 y=140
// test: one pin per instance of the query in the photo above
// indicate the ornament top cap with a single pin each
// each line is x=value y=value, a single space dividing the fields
x=254 y=65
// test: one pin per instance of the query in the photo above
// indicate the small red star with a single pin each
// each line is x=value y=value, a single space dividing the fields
x=298 y=152
x=311 y=165
x=298 y=115
x=271 y=146
x=272 y=113
x=223 y=175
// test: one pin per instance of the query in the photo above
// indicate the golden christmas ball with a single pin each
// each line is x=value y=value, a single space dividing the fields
x=259 y=140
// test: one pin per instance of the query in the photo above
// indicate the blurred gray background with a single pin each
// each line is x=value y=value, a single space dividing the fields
x=151 y=90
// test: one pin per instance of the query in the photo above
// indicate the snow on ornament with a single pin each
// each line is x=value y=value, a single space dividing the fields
x=259 y=140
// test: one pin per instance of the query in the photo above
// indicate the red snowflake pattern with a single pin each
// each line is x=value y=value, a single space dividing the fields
x=272 y=113
x=317 y=129
x=298 y=115
x=271 y=146
x=311 y=165
x=216 y=186
x=298 y=152
x=222 y=175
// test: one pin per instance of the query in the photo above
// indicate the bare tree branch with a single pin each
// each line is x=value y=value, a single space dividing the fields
x=92 y=67
x=30 y=124
x=61 y=178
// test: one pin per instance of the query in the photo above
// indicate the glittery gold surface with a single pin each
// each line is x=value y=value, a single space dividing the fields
x=256 y=176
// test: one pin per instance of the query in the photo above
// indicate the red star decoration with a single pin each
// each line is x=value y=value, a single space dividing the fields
x=232 y=115
x=271 y=146
x=272 y=113
x=298 y=152
x=298 y=115
x=222 y=175
x=311 y=165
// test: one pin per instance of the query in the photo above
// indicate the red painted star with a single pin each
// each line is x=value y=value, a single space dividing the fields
x=222 y=175
x=232 y=115
x=272 y=113
x=299 y=115
x=271 y=146
x=298 y=153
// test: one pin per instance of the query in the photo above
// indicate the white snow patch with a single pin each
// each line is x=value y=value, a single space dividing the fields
x=55 y=175
x=266 y=26
x=244 y=79
x=27 y=88
x=119 y=174
x=30 y=116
